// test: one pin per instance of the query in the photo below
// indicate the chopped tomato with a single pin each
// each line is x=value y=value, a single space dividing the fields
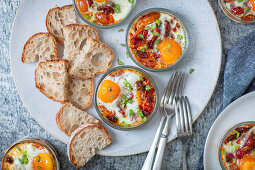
x=238 y=10
x=104 y=18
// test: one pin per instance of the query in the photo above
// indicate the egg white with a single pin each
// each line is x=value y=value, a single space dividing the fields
x=131 y=78
x=32 y=152
x=180 y=31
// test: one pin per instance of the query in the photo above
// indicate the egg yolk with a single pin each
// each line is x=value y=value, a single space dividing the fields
x=170 y=50
x=100 y=1
x=108 y=91
x=252 y=3
x=247 y=163
x=43 y=161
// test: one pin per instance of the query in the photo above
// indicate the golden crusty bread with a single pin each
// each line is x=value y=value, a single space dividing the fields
x=51 y=79
x=40 y=46
x=85 y=141
x=57 y=18
x=94 y=58
x=70 y=118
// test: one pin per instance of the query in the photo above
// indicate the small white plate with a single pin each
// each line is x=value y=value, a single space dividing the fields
x=241 y=110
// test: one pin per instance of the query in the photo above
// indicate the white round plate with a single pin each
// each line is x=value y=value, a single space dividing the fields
x=239 y=111
x=204 y=56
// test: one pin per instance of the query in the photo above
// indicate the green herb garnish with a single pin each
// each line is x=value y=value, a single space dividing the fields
x=169 y=46
x=21 y=161
x=179 y=36
x=127 y=84
x=237 y=133
x=121 y=30
x=141 y=36
x=144 y=119
x=117 y=8
x=191 y=70
x=25 y=161
x=110 y=89
x=158 y=22
x=127 y=125
x=156 y=34
x=123 y=45
x=135 y=51
x=94 y=21
x=140 y=113
x=148 y=87
x=240 y=1
x=155 y=49
x=127 y=54
x=122 y=123
x=18 y=148
x=120 y=62
x=131 y=112
x=234 y=161
x=94 y=5
x=146 y=47
x=38 y=158
x=157 y=41
x=101 y=11
x=38 y=167
x=246 y=9
x=130 y=1
x=147 y=27
x=130 y=101
x=154 y=26
x=141 y=78
x=111 y=97
x=143 y=50
x=253 y=152
x=87 y=16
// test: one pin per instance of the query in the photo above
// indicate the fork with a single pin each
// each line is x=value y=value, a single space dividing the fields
x=184 y=125
x=150 y=157
x=173 y=90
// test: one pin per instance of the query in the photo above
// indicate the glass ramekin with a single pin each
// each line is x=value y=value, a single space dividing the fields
x=155 y=107
x=157 y=10
x=102 y=26
x=48 y=146
x=225 y=136
x=232 y=16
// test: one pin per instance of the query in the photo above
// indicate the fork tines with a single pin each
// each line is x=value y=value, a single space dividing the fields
x=183 y=117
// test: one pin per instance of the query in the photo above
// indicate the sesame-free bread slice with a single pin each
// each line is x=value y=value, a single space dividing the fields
x=69 y=118
x=76 y=36
x=59 y=17
x=40 y=46
x=80 y=92
x=51 y=79
x=85 y=141
x=95 y=58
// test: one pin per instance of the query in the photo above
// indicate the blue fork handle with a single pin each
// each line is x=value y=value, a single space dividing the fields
x=149 y=159
x=162 y=145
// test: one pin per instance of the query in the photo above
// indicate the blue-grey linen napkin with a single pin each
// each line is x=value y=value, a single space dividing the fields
x=239 y=74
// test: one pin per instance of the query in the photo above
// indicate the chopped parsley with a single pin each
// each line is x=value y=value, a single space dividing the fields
x=191 y=70
x=18 y=148
x=127 y=125
x=179 y=36
x=154 y=26
x=121 y=30
x=94 y=21
x=131 y=112
x=123 y=45
x=146 y=47
x=147 y=27
x=246 y=9
x=141 y=36
x=117 y=8
x=237 y=133
x=110 y=89
x=130 y=1
x=111 y=97
x=127 y=54
x=87 y=16
x=148 y=87
x=38 y=158
x=158 y=22
x=157 y=41
x=140 y=113
x=144 y=119
x=141 y=78
x=169 y=46
x=122 y=123
x=143 y=50
x=135 y=51
x=156 y=34
x=155 y=49
x=127 y=84
x=120 y=62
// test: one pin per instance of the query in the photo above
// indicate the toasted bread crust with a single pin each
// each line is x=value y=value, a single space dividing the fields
x=55 y=45
x=38 y=86
x=76 y=132
x=82 y=25
x=101 y=72
x=58 y=117
x=49 y=13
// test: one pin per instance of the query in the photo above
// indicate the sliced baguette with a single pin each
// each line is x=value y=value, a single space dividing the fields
x=94 y=58
x=80 y=92
x=70 y=118
x=51 y=79
x=85 y=141
x=41 y=46
x=59 y=17
x=75 y=39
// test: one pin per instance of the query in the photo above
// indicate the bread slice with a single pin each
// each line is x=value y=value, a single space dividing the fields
x=94 y=58
x=75 y=39
x=51 y=79
x=80 y=92
x=85 y=142
x=59 y=17
x=70 y=118
x=41 y=46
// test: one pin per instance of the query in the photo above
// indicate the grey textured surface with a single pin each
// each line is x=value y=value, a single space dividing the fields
x=16 y=122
